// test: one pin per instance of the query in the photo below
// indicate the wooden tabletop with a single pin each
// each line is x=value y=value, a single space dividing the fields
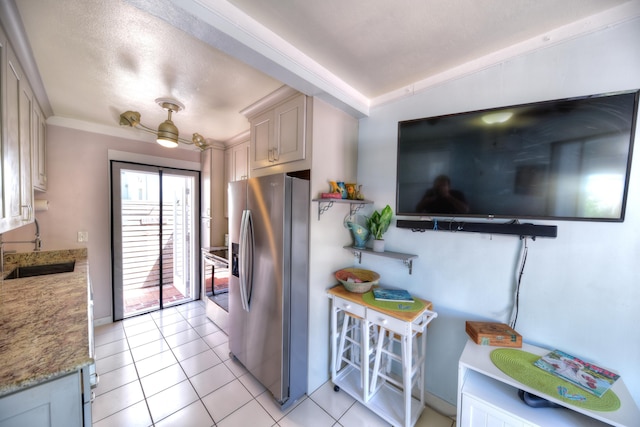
x=407 y=316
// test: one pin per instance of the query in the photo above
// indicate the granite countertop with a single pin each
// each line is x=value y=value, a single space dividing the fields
x=44 y=330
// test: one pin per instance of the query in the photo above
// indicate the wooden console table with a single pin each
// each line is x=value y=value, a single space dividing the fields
x=365 y=347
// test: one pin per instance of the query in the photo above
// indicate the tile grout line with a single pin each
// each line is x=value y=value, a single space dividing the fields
x=200 y=330
x=93 y=421
x=139 y=378
x=183 y=371
x=237 y=378
x=155 y=320
x=135 y=367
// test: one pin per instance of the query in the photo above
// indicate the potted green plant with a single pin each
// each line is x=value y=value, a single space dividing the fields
x=378 y=223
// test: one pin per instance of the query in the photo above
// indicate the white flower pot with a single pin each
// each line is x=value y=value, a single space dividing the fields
x=378 y=245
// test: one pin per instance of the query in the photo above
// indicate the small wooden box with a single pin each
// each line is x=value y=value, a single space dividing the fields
x=492 y=333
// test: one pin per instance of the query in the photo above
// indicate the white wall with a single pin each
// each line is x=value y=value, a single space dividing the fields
x=79 y=198
x=335 y=153
x=581 y=290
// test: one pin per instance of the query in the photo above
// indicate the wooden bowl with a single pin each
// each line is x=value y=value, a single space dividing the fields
x=357 y=280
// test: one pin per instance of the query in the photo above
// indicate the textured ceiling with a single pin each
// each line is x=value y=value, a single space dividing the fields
x=378 y=46
x=99 y=58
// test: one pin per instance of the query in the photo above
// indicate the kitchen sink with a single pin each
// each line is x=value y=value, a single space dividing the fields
x=40 y=270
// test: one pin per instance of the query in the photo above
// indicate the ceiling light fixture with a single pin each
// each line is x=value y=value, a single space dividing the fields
x=167 y=133
x=497 y=117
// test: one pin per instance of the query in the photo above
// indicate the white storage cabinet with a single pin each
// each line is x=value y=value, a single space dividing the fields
x=487 y=397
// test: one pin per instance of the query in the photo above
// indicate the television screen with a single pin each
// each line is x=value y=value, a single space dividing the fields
x=563 y=159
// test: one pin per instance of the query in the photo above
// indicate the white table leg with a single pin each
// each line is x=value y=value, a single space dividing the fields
x=406 y=377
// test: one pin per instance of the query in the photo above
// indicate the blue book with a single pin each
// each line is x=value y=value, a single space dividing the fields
x=394 y=295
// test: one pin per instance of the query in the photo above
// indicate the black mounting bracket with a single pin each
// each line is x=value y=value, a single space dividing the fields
x=517 y=229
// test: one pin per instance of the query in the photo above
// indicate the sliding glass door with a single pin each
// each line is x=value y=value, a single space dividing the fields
x=154 y=237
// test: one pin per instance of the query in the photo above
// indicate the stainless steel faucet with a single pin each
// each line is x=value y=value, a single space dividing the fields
x=37 y=241
x=37 y=244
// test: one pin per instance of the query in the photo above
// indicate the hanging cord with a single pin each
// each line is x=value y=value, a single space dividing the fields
x=516 y=298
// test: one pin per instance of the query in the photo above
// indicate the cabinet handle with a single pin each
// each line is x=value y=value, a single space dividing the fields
x=29 y=209
x=383 y=321
x=273 y=155
x=347 y=306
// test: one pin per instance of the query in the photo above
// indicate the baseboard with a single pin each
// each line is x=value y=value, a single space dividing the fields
x=441 y=406
x=102 y=321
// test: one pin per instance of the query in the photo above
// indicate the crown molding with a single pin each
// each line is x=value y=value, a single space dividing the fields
x=592 y=24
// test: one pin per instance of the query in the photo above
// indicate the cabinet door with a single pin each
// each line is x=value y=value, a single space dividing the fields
x=205 y=183
x=262 y=142
x=278 y=135
x=289 y=135
x=39 y=149
x=228 y=177
x=11 y=149
x=476 y=413
x=236 y=163
x=17 y=200
x=240 y=161
x=26 y=139
x=57 y=403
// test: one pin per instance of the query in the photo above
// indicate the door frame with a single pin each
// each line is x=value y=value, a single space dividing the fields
x=116 y=267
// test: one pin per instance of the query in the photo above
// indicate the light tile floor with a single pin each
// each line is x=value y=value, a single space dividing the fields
x=172 y=368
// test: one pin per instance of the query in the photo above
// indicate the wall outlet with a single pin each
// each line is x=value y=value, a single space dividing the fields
x=83 y=236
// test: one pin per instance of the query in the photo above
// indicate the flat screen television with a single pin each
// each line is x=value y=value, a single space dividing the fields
x=565 y=159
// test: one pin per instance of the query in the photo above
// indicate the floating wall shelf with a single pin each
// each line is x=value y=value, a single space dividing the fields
x=354 y=205
x=407 y=259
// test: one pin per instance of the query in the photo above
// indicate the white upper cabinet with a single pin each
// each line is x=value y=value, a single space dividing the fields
x=213 y=190
x=205 y=183
x=238 y=162
x=22 y=142
x=16 y=133
x=26 y=133
x=278 y=129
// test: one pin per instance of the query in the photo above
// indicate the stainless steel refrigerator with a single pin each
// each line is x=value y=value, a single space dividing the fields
x=268 y=285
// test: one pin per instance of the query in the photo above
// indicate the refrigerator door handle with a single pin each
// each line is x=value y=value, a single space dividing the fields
x=246 y=258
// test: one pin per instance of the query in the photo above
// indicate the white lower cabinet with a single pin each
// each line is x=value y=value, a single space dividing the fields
x=56 y=403
x=478 y=413
x=489 y=398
